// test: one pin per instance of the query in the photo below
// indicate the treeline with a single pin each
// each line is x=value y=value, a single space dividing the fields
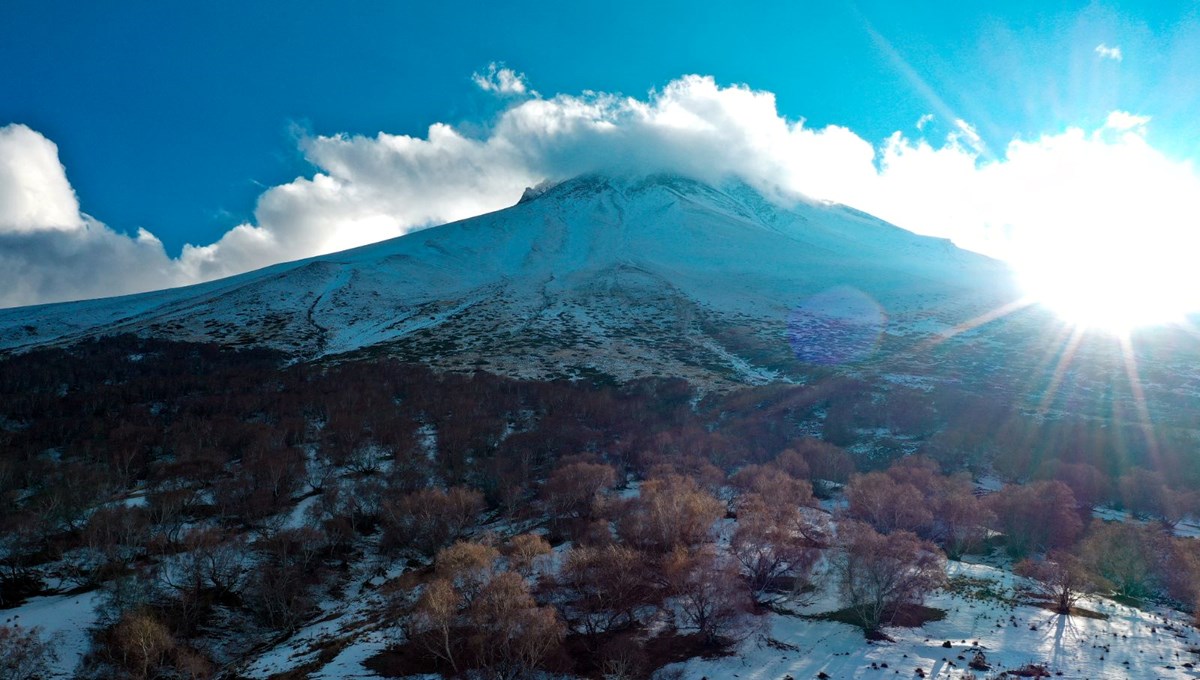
x=1046 y=523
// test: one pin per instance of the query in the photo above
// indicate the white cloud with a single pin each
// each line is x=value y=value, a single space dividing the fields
x=1059 y=194
x=924 y=120
x=1123 y=121
x=1106 y=52
x=1090 y=189
x=93 y=261
x=501 y=80
x=966 y=133
x=49 y=250
x=34 y=192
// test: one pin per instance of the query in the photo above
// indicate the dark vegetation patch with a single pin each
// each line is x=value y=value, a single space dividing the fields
x=403 y=661
x=972 y=588
x=1128 y=601
x=903 y=616
x=17 y=587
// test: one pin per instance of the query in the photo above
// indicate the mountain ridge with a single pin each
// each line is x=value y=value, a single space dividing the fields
x=612 y=267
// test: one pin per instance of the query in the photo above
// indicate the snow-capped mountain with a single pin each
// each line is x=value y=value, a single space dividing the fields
x=623 y=277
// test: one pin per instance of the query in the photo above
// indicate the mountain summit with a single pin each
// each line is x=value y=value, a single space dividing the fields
x=595 y=275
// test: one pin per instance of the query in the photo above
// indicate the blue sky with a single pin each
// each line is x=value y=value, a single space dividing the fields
x=176 y=117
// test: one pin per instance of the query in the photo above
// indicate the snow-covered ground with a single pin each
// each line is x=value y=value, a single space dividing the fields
x=354 y=625
x=1128 y=644
x=64 y=619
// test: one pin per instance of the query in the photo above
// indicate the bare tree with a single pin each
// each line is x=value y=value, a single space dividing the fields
x=168 y=507
x=879 y=574
x=960 y=518
x=1036 y=517
x=1061 y=577
x=431 y=518
x=1125 y=555
x=573 y=490
x=467 y=566
x=623 y=658
x=1145 y=494
x=112 y=538
x=709 y=593
x=827 y=463
x=604 y=587
x=211 y=560
x=794 y=464
x=509 y=633
x=143 y=643
x=1089 y=484
x=668 y=512
x=523 y=552
x=772 y=541
x=879 y=500
x=432 y=622
x=25 y=654
x=774 y=486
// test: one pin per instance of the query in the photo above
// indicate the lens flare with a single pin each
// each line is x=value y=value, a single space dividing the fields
x=837 y=326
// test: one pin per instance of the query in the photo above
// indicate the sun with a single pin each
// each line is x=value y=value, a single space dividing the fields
x=1114 y=288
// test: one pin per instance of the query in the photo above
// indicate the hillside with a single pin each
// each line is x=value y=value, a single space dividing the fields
x=617 y=277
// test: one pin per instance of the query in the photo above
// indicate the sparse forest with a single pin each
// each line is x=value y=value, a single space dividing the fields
x=584 y=528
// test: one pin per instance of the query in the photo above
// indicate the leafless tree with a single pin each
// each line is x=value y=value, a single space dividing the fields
x=431 y=518
x=1036 y=517
x=523 y=552
x=25 y=654
x=1126 y=555
x=142 y=643
x=709 y=592
x=887 y=505
x=878 y=574
x=509 y=634
x=573 y=490
x=603 y=587
x=772 y=541
x=1061 y=577
x=668 y=512
x=467 y=566
x=434 y=619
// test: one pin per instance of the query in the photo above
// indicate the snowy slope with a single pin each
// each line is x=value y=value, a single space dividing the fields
x=1125 y=643
x=624 y=276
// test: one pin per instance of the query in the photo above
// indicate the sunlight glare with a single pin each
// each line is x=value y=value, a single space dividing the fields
x=1115 y=286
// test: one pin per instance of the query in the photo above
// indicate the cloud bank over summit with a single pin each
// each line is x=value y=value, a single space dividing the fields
x=1041 y=195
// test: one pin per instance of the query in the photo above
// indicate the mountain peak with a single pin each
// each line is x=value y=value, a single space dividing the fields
x=625 y=275
x=730 y=194
x=535 y=191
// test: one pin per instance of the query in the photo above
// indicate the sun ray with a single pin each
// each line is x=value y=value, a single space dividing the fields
x=920 y=85
x=977 y=321
x=1060 y=369
x=1054 y=350
x=1139 y=395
